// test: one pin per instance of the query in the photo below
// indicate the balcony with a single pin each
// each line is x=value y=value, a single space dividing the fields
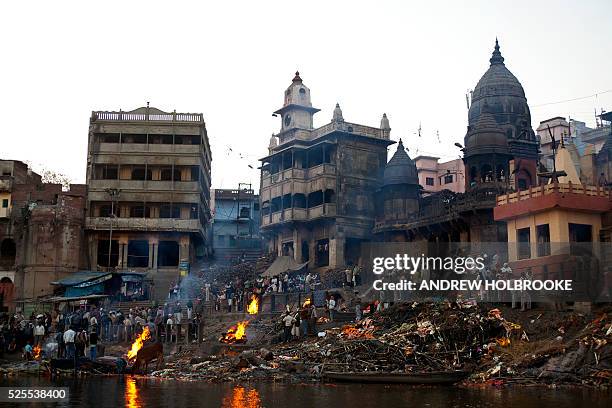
x=143 y=224
x=142 y=148
x=299 y=174
x=299 y=214
x=353 y=128
x=566 y=196
x=6 y=183
x=148 y=185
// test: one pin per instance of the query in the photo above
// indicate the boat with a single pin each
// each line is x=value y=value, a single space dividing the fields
x=433 y=377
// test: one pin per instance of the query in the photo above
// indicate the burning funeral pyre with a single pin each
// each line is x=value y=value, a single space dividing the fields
x=253 y=307
x=138 y=343
x=36 y=352
x=236 y=333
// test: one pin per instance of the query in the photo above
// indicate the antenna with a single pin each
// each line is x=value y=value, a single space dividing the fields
x=468 y=95
x=419 y=129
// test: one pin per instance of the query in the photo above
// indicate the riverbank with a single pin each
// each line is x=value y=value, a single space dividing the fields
x=495 y=345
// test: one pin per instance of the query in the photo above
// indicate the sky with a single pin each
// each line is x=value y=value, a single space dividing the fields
x=232 y=61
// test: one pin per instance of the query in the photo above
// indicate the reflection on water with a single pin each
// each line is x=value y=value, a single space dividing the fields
x=132 y=400
x=113 y=392
x=239 y=397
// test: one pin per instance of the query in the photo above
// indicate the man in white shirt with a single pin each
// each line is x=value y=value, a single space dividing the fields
x=69 y=336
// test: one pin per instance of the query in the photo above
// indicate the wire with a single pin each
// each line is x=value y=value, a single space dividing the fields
x=571 y=100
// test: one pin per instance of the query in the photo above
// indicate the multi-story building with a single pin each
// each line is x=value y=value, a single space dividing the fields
x=318 y=185
x=235 y=226
x=435 y=176
x=148 y=203
x=41 y=234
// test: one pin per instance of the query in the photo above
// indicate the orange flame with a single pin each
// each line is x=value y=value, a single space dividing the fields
x=36 y=352
x=306 y=303
x=138 y=343
x=236 y=333
x=351 y=332
x=253 y=306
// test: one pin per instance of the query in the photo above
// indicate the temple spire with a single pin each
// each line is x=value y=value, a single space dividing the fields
x=496 y=58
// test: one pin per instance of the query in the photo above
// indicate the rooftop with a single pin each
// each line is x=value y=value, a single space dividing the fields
x=146 y=114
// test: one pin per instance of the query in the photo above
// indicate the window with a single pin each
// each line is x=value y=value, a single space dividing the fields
x=138 y=173
x=429 y=181
x=5 y=203
x=522 y=239
x=543 y=237
x=245 y=212
x=140 y=211
x=108 y=172
x=169 y=211
x=168 y=253
x=448 y=179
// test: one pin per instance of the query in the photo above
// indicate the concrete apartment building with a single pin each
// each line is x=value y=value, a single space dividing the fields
x=148 y=174
x=435 y=176
x=235 y=226
x=318 y=185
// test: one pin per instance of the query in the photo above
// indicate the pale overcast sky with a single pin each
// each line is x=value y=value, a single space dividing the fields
x=232 y=60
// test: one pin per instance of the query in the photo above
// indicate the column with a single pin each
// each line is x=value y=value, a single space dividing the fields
x=93 y=252
x=312 y=252
x=150 y=265
x=297 y=245
x=336 y=252
x=184 y=248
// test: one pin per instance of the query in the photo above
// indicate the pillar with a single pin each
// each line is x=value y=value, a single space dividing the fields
x=297 y=246
x=150 y=265
x=311 y=249
x=336 y=252
x=184 y=248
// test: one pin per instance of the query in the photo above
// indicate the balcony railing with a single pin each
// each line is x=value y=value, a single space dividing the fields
x=299 y=174
x=300 y=214
x=151 y=117
x=353 y=128
x=143 y=224
x=6 y=183
x=556 y=188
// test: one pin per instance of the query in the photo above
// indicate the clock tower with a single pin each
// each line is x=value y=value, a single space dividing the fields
x=297 y=110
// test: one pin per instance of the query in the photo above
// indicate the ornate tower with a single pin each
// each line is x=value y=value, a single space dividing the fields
x=297 y=110
x=398 y=198
x=501 y=95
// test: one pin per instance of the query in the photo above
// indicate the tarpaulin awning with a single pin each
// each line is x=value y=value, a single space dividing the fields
x=283 y=264
x=57 y=299
x=83 y=278
x=132 y=278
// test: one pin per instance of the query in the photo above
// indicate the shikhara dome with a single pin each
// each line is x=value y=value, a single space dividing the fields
x=400 y=169
x=503 y=93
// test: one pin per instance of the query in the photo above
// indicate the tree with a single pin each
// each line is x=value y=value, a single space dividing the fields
x=52 y=177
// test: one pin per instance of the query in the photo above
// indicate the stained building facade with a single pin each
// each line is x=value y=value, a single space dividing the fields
x=318 y=184
x=41 y=235
x=148 y=176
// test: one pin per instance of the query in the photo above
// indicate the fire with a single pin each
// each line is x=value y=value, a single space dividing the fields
x=503 y=341
x=253 y=306
x=306 y=303
x=351 y=332
x=236 y=333
x=138 y=343
x=36 y=352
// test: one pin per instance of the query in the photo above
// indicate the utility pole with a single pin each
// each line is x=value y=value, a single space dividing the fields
x=114 y=195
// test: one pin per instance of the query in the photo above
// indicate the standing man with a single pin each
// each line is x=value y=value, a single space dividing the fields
x=287 y=325
x=69 y=336
x=93 y=345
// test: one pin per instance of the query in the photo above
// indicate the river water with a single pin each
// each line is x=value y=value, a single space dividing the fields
x=148 y=392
